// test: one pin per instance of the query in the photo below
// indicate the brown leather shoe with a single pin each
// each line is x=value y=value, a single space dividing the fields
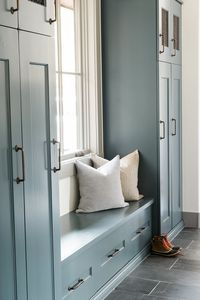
x=160 y=247
x=170 y=244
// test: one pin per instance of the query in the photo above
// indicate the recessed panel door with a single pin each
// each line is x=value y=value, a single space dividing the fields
x=174 y=139
x=164 y=31
x=8 y=12
x=37 y=16
x=176 y=39
x=164 y=96
x=38 y=103
x=12 y=245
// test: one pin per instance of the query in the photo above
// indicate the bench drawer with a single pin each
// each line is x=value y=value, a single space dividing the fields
x=77 y=277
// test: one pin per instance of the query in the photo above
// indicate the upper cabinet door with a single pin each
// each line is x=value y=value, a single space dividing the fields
x=38 y=105
x=8 y=12
x=37 y=16
x=164 y=31
x=12 y=242
x=176 y=32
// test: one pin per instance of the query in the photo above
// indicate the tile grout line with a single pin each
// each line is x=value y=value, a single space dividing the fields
x=154 y=288
x=173 y=264
x=189 y=244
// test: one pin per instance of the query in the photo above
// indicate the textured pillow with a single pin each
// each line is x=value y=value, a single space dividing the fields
x=100 y=189
x=128 y=172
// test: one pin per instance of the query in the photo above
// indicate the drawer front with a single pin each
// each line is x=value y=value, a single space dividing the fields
x=89 y=271
x=77 y=277
x=132 y=238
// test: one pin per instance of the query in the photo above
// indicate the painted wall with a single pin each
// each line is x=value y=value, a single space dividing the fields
x=190 y=106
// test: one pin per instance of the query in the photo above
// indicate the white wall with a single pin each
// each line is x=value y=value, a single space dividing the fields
x=190 y=106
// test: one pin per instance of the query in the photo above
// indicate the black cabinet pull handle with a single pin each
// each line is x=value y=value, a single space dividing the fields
x=163 y=136
x=140 y=230
x=77 y=285
x=18 y=179
x=115 y=252
x=162 y=39
x=59 y=156
x=174 y=120
x=174 y=47
x=13 y=10
x=55 y=19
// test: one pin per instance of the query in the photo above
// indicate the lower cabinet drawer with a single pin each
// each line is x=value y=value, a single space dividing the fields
x=77 y=278
x=88 y=271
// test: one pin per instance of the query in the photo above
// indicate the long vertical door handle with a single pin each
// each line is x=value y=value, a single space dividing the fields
x=55 y=169
x=174 y=47
x=18 y=179
x=13 y=10
x=174 y=121
x=163 y=126
x=55 y=18
x=162 y=39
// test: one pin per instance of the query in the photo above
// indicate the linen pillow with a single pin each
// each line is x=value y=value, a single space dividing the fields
x=100 y=189
x=128 y=173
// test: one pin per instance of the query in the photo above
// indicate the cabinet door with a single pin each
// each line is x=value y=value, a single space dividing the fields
x=164 y=96
x=164 y=31
x=174 y=136
x=176 y=32
x=12 y=244
x=37 y=16
x=38 y=103
x=8 y=12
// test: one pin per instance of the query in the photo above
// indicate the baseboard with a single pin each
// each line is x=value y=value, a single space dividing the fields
x=122 y=274
x=176 y=230
x=191 y=219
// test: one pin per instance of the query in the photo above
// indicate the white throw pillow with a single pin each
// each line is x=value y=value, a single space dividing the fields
x=100 y=189
x=129 y=174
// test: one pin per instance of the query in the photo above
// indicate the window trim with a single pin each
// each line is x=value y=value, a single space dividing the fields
x=91 y=69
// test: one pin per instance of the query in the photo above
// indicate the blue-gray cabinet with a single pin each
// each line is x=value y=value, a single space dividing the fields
x=12 y=232
x=29 y=158
x=141 y=50
x=164 y=98
x=30 y=15
x=175 y=144
x=170 y=31
x=170 y=141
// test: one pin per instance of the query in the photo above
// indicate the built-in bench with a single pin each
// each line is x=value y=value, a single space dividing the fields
x=97 y=246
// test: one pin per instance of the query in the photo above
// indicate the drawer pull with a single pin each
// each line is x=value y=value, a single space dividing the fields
x=77 y=285
x=115 y=252
x=140 y=230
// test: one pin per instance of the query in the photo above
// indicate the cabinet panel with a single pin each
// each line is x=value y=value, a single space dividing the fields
x=12 y=250
x=7 y=16
x=164 y=96
x=37 y=91
x=176 y=37
x=34 y=16
x=164 y=30
x=174 y=135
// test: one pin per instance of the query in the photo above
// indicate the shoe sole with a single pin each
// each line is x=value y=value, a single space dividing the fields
x=167 y=254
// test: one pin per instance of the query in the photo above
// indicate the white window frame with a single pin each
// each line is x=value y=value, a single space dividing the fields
x=91 y=69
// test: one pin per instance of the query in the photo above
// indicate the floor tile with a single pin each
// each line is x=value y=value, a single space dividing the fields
x=192 y=254
x=177 y=291
x=171 y=276
x=194 y=245
x=155 y=260
x=187 y=265
x=124 y=295
x=139 y=285
x=183 y=243
x=190 y=235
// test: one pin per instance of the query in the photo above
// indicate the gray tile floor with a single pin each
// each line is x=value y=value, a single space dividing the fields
x=166 y=278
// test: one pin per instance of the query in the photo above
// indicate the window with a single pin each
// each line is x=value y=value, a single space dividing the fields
x=78 y=72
